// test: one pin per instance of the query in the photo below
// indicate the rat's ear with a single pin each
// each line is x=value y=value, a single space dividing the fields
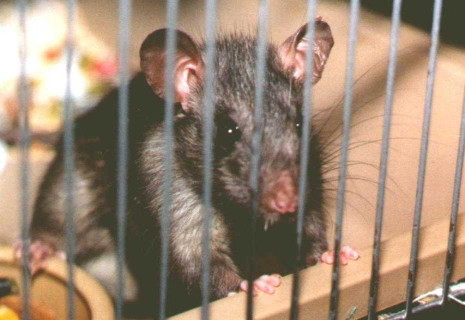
x=188 y=68
x=294 y=50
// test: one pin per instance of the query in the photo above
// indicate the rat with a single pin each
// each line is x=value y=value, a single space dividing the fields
x=96 y=166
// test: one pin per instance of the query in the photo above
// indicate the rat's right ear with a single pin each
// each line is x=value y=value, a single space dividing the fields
x=188 y=67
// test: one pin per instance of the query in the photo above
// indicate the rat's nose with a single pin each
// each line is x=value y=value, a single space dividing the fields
x=281 y=194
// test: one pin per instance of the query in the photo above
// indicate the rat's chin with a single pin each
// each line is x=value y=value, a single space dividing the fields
x=270 y=218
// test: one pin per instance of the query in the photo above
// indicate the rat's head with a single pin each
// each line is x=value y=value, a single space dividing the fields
x=234 y=108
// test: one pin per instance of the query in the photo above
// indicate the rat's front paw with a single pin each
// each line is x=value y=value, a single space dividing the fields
x=39 y=253
x=347 y=253
x=266 y=283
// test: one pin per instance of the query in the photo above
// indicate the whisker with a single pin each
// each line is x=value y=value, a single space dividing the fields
x=333 y=154
x=331 y=139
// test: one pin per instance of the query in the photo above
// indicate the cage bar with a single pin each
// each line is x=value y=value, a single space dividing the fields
x=449 y=266
x=256 y=143
x=354 y=13
x=305 y=148
x=208 y=125
x=23 y=98
x=123 y=101
x=423 y=157
x=383 y=166
x=69 y=156
x=171 y=39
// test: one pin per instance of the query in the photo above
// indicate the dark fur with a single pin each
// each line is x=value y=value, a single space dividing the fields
x=95 y=177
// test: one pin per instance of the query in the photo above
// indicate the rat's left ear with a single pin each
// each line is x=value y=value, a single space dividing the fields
x=294 y=50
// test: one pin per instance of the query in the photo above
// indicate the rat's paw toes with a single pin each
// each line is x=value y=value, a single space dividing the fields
x=350 y=253
x=244 y=286
x=347 y=253
x=274 y=279
x=39 y=253
x=327 y=257
x=266 y=283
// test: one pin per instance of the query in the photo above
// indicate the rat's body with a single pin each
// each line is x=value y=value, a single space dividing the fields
x=96 y=176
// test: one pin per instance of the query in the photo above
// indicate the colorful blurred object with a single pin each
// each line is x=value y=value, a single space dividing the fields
x=7 y=314
x=93 y=70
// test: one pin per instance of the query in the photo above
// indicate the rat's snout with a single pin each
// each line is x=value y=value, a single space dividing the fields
x=280 y=193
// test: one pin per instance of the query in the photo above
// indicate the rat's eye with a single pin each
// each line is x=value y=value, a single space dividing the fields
x=227 y=134
x=299 y=125
x=233 y=130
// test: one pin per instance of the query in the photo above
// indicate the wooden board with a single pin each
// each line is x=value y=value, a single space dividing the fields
x=355 y=281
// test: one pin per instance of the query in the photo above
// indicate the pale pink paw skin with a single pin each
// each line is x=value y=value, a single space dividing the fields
x=39 y=253
x=347 y=253
x=266 y=284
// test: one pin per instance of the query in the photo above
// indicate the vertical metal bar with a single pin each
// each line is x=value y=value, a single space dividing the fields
x=423 y=157
x=354 y=13
x=171 y=40
x=69 y=160
x=454 y=210
x=208 y=111
x=23 y=96
x=256 y=143
x=123 y=101
x=305 y=149
x=383 y=166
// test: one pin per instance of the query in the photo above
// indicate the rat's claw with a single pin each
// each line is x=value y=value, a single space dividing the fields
x=347 y=253
x=266 y=283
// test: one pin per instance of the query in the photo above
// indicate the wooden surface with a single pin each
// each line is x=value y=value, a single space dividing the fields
x=355 y=280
